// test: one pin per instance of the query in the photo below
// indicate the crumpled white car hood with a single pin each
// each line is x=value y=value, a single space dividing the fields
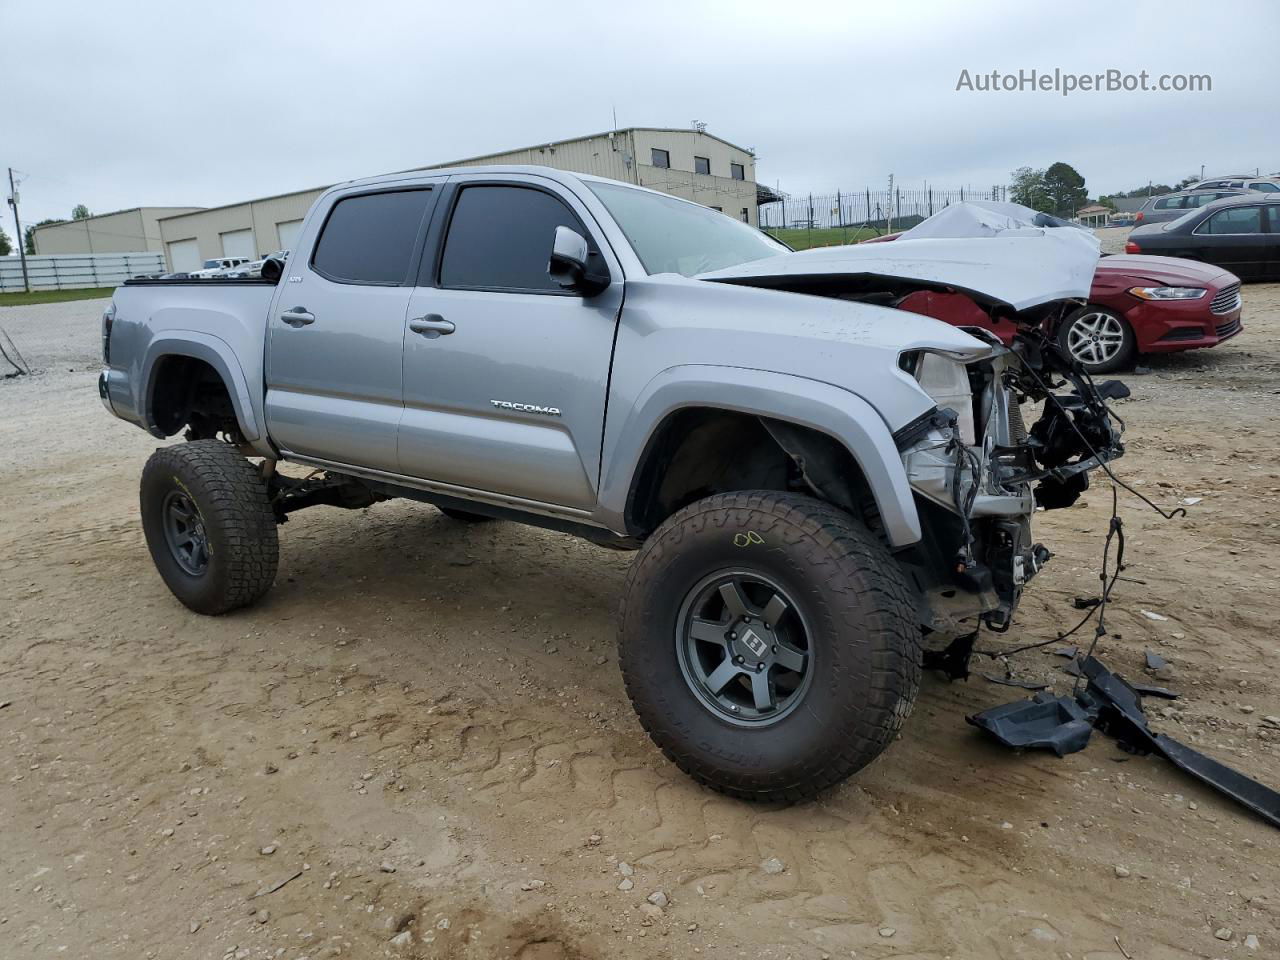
x=993 y=250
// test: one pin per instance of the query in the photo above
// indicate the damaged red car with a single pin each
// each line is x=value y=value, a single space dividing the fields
x=1137 y=305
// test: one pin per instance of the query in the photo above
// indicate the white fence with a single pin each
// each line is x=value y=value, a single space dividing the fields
x=70 y=271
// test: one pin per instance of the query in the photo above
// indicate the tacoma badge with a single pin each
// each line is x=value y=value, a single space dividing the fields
x=526 y=408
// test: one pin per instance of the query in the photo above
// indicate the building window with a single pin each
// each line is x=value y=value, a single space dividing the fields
x=718 y=209
x=737 y=171
x=746 y=215
x=661 y=158
x=701 y=165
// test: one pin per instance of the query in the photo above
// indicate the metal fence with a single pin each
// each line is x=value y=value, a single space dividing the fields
x=70 y=271
x=843 y=215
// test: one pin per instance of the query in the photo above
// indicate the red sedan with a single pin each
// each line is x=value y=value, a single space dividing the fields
x=1137 y=305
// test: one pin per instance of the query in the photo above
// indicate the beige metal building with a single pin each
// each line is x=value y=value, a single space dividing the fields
x=688 y=163
x=125 y=231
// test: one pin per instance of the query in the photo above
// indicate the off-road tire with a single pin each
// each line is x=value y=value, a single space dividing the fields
x=463 y=516
x=865 y=641
x=228 y=491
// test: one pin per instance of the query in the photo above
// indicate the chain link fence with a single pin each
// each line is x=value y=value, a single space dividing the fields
x=817 y=220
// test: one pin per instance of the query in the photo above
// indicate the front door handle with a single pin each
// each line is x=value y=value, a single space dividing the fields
x=298 y=317
x=431 y=326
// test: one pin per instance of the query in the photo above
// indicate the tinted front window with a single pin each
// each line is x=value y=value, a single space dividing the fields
x=675 y=236
x=1265 y=186
x=1234 y=220
x=501 y=237
x=369 y=238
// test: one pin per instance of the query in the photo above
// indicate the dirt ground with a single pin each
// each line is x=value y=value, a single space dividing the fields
x=422 y=733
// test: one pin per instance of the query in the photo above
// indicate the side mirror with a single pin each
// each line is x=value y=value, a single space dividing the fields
x=570 y=264
x=272 y=269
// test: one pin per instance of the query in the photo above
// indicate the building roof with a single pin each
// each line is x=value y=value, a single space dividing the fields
x=1129 y=204
x=114 y=213
x=588 y=136
x=482 y=156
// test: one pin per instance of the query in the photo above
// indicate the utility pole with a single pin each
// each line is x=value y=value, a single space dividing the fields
x=17 y=226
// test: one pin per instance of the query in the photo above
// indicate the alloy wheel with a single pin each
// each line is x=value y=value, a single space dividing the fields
x=1095 y=338
x=744 y=648
x=184 y=532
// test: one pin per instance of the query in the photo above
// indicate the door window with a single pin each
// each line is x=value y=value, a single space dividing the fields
x=369 y=238
x=500 y=238
x=1234 y=220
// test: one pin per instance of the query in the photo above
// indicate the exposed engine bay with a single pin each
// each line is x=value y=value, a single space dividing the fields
x=978 y=472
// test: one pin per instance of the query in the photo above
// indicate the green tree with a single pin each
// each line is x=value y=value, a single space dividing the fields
x=29 y=235
x=1028 y=189
x=1065 y=188
x=6 y=245
x=80 y=212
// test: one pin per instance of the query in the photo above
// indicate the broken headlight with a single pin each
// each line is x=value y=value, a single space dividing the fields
x=946 y=381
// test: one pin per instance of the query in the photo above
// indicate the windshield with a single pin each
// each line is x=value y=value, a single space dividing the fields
x=211 y=264
x=674 y=236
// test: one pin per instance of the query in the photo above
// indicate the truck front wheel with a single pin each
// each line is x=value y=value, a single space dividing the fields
x=768 y=643
x=209 y=525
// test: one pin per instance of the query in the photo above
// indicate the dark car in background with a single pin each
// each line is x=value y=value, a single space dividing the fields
x=1171 y=206
x=1240 y=234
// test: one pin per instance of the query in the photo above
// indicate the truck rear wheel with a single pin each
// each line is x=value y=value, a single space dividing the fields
x=209 y=525
x=768 y=643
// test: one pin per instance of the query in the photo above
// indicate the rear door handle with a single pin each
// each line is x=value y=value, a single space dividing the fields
x=298 y=317
x=431 y=326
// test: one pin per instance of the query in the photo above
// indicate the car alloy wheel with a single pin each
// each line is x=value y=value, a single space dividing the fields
x=744 y=648
x=1095 y=338
x=184 y=532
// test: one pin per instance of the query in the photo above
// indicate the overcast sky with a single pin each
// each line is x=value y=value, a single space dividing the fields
x=123 y=104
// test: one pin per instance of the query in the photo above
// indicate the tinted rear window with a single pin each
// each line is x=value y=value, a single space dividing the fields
x=500 y=239
x=369 y=238
x=1234 y=220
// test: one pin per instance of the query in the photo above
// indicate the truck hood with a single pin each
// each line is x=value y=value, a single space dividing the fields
x=998 y=253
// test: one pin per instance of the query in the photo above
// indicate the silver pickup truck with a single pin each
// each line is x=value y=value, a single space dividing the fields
x=824 y=491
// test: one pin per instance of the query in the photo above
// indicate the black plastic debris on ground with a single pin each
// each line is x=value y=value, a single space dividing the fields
x=1110 y=704
x=1045 y=721
x=1014 y=682
x=1155 y=661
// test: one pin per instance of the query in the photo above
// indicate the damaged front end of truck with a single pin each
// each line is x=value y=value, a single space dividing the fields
x=1014 y=428
x=978 y=471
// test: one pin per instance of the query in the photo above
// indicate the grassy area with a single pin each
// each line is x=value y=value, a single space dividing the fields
x=798 y=238
x=54 y=296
